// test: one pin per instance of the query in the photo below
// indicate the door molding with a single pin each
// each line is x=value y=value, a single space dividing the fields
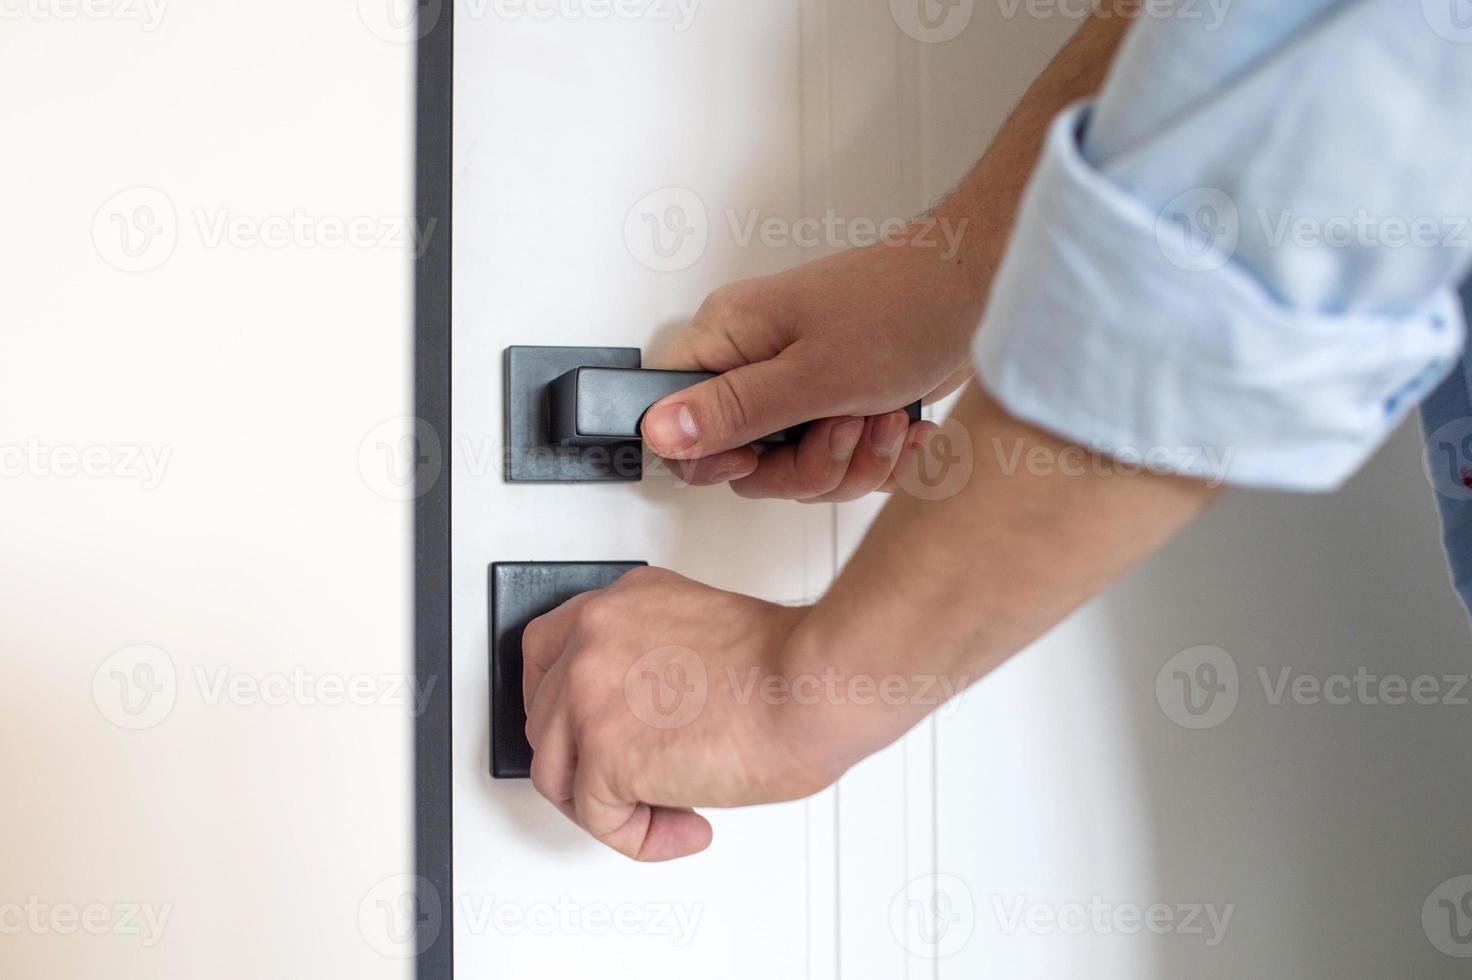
x=433 y=191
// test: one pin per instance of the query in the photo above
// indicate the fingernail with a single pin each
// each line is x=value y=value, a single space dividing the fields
x=670 y=427
x=845 y=438
x=738 y=472
x=889 y=432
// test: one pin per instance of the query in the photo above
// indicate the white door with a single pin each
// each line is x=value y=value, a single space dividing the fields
x=606 y=170
x=563 y=125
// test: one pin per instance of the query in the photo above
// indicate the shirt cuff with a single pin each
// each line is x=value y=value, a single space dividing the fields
x=1114 y=327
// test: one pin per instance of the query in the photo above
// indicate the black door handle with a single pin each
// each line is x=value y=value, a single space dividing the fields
x=573 y=413
x=596 y=406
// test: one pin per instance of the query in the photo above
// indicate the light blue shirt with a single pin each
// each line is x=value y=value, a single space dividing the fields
x=1239 y=263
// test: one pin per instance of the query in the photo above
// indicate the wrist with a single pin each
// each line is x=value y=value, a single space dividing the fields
x=970 y=245
x=835 y=707
x=953 y=244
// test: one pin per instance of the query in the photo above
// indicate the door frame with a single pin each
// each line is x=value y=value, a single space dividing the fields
x=433 y=758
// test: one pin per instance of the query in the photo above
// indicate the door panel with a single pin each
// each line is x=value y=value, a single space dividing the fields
x=575 y=141
x=565 y=128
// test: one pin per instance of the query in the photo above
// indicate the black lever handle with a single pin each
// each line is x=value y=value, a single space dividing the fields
x=599 y=406
x=573 y=413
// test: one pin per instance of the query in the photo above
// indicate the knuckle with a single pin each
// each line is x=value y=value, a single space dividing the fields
x=586 y=685
x=822 y=479
x=542 y=780
x=864 y=477
x=641 y=576
x=600 y=613
x=730 y=404
x=600 y=744
x=534 y=636
x=756 y=492
x=730 y=299
x=840 y=494
x=595 y=734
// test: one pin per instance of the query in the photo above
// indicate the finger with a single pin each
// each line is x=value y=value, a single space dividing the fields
x=914 y=442
x=720 y=468
x=736 y=408
x=708 y=342
x=542 y=643
x=813 y=467
x=874 y=459
x=554 y=761
x=637 y=830
x=540 y=710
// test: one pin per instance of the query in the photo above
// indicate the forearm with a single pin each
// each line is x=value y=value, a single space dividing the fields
x=941 y=592
x=987 y=200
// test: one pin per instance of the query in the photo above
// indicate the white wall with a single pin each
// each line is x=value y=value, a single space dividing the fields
x=262 y=550
x=1325 y=827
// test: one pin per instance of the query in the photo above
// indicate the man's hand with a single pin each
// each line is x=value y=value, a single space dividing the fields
x=848 y=340
x=851 y=338
x=644 y=699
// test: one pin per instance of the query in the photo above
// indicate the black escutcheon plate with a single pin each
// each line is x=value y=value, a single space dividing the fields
x=520 y=592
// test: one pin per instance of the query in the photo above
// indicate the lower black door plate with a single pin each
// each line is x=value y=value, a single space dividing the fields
x=519 y=593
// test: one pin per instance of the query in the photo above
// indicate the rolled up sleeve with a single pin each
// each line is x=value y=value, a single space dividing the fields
x=1248 y=281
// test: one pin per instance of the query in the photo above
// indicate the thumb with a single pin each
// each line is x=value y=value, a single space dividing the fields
x=734 y=409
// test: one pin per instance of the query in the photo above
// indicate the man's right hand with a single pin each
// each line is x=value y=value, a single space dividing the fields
x=846 y=341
